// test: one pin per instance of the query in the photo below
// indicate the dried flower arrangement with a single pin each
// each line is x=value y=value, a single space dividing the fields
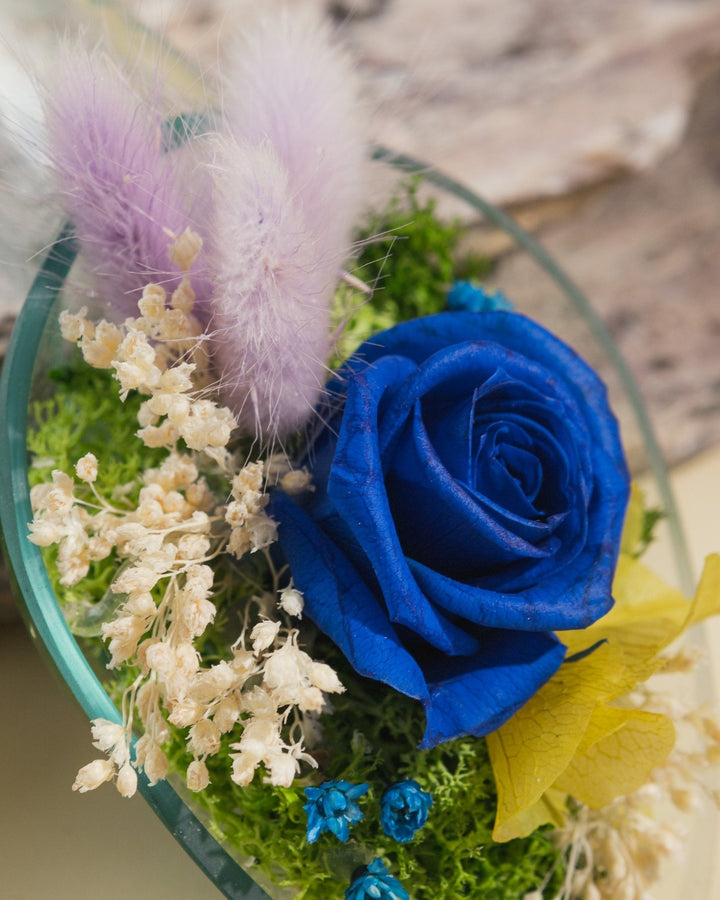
x=367 y=571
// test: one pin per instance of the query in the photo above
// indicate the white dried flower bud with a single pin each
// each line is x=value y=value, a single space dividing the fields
x=160 y=657
x=283 y=768
x=263 y=635
x=38 y=496
x=146 y=417
x=243 y=662
x=297 y=482
x=93 y=775
x=309 y=699
x=134 y=580
x=86 y=468
x=187 y=658
x=59 y=499
x=100 y=350
x=178 y=379
x=125 y=628
x=238 y=543
x=178 y=409
x=292 y=602
x=141 y=605
x=263 y=531
x=236 y=513
x=183 y=297
x=197 y=777
x=187 y=712
x=124 y=633
x=199 y=495
x=226 y=714
x=74 y=326
x=214 y=682
x=249 y=478
x=199 y=575
x=128 y=531
x=259 y=702
x=106 y=734
x=260 y=736
x=325 y=677
x=184 y=249
x=152 y=302
x=127 y=780
x=204 y=738
x=193 y=546
x=155 y=764
x=197 y=614
x=164 y=435
x=243 y=768
x=100 y=547
x=287 y=667
x=44 y=533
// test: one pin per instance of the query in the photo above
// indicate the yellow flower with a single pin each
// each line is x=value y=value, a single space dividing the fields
x=575 y=736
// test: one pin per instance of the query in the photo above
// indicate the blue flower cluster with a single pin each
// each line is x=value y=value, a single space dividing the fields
x=404 y=809
x=331 y=807
x=376 y=884
x=464 y=296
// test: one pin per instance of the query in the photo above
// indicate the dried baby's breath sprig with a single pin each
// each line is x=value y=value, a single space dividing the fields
x=165 y=544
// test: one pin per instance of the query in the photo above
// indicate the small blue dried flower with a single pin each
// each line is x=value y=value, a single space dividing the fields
x=376 y=884
x=465 y=296
x=332 y=807
x=403 y=809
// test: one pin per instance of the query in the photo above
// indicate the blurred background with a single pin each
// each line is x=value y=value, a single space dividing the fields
x=596 y=123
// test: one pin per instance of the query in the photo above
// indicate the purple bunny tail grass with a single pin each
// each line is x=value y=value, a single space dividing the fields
x=271 y=311
x=290 y=106
x=287 y=82
x=123 y=193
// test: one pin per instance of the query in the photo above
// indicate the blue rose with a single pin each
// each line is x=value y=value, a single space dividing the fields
x=470 y=489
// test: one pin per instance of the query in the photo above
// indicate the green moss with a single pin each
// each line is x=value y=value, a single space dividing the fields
x=409 y=260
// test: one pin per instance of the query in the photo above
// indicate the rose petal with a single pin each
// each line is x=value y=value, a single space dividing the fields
x=441 y=522
x=341 y=605
x=357 y=490
x=538 y=608
x=476 y=695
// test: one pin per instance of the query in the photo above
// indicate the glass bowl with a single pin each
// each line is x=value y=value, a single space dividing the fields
x=36 y=346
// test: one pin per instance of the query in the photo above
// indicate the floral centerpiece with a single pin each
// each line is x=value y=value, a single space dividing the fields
x=358 y=547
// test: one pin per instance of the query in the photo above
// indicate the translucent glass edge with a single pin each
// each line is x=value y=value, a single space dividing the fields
x=34 y=591
x=598 y=329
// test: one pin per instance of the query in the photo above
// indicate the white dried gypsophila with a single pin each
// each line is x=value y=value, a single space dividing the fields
x=165 y=542
x=291 y=681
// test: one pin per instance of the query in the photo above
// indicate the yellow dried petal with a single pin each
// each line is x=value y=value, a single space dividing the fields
x=620 y=749
x=530 y=751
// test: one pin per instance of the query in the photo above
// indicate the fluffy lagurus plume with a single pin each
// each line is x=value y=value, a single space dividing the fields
x=124 y=194
x=288 y=172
